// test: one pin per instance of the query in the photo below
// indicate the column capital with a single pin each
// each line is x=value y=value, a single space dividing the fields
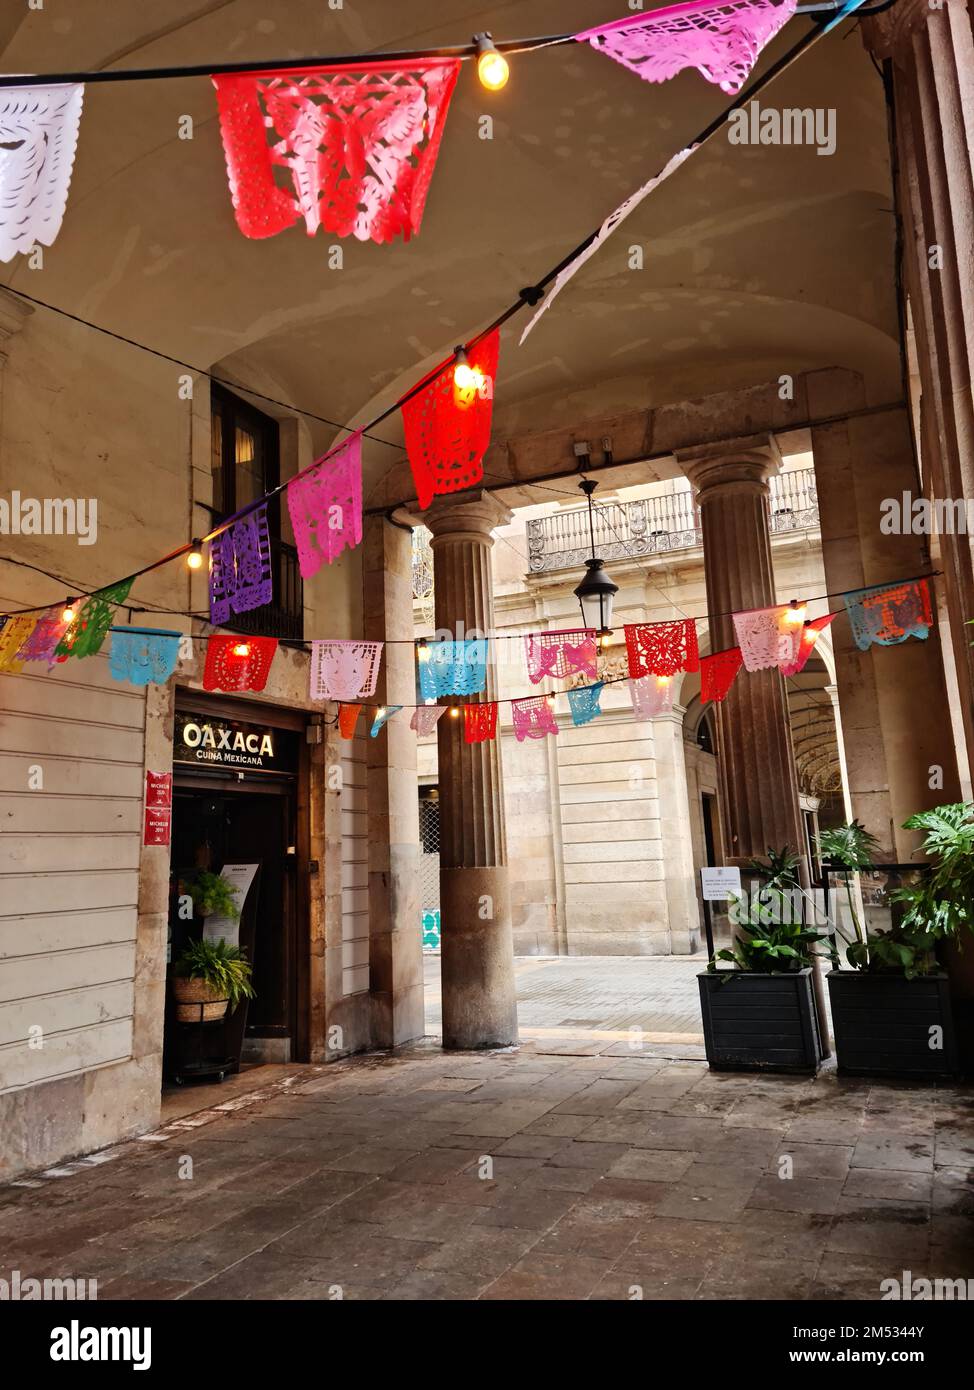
x=887 y=34
x=466 y=516
x=731 y=465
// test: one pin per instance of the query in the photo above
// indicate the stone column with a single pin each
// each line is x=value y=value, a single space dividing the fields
x=897 y=760
x=675 y=833
x=477 y=954
x=395 y=933
x=758 y=784
x=832 y=691
x=929 y=53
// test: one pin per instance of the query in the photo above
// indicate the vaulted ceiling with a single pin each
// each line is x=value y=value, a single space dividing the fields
x=758 y=261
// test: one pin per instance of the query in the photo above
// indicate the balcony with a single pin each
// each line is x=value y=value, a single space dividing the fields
x=283 y=617
x=656 y=525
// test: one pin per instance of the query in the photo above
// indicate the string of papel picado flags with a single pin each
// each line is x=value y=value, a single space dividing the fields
x=345 y=671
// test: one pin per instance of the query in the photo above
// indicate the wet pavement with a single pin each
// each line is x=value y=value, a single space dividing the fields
x=569 y=1169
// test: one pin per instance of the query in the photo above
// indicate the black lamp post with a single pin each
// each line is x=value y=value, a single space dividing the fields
x=596 y=592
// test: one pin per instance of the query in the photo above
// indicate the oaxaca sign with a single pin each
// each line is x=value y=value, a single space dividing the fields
x=216 y=742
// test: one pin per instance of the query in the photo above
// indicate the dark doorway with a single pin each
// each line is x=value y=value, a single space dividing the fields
x=211 y=830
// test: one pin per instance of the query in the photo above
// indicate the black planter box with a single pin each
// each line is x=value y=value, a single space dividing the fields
x=760 y=1022
x=882 y=1025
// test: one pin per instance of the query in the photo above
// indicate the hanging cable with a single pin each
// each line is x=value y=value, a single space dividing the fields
x=823 y=11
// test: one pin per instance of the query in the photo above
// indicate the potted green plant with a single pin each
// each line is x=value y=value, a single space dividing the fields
x=213 y=894
x=208 y=978
x=760 y=1015
x=891 y=1012
x=852 y=848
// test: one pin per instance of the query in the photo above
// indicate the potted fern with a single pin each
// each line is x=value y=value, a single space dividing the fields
x=208 y=978
x=211 y=893
x=891 y=1011
x=849 y=848
x=760 y=1014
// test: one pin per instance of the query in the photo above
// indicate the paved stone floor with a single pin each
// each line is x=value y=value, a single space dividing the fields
x=565 y=1170
x=600 y=997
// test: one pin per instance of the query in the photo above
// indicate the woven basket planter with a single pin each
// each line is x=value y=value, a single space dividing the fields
x=197 y=1001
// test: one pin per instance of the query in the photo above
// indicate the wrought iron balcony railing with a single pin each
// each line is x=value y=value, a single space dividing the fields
x=284 y=615
x=654 y=525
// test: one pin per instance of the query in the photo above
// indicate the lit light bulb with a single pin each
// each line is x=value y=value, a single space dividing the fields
x=67 y=613
x=241 y=649
x=194 y=559
x=465 y=377
x=454 y=712
x=493 y=68
x=795 y=612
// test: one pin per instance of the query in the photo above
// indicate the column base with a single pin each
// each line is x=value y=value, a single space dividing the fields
x=477 y=959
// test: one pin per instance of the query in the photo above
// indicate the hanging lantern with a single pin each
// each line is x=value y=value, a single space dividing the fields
x=596 y=593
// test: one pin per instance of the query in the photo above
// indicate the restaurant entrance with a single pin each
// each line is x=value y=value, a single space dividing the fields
x=235 y=817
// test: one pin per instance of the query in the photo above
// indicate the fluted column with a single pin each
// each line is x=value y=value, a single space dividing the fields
x=929 y=53
x=477 y=952
x=758 y=785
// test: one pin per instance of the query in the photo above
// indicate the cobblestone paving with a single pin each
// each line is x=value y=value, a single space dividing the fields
x=605 y=996
x=561 y=1171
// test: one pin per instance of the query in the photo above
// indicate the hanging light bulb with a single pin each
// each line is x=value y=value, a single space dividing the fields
x=241 y=649
x=796 y=612
x=67 y=613
x=810 y=635
x=423 y=649
x=195 y=557
x=493 y=68
x=465 y=376
x=454 y=711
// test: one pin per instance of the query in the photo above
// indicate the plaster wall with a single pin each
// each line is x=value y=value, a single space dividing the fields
x=84 y=906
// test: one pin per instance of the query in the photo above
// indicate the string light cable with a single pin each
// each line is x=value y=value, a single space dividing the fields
x=482 y=49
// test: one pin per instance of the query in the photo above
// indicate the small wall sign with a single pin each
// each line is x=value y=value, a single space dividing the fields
x=158 y=788
x=158 y=808
x=717 y=884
